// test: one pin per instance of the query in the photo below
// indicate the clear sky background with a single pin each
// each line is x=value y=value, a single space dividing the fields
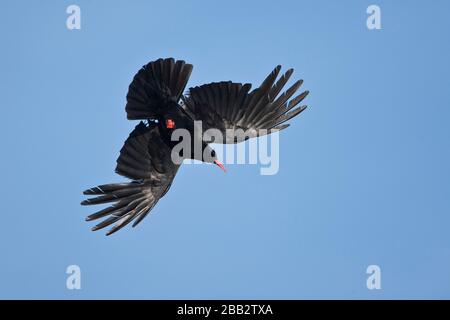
x=364 y=172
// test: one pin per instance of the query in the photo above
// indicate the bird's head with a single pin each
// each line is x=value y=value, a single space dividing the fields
x=198 y=149
x=210 y=156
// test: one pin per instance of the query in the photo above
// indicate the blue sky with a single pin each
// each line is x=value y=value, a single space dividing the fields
x=363 y=179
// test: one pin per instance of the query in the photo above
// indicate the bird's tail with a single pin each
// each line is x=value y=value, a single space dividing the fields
x=156 y=84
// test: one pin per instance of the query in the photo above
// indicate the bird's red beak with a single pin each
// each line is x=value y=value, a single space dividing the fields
x=220 y=165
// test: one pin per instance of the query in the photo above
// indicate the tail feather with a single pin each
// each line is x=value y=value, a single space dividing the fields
x=154 y=85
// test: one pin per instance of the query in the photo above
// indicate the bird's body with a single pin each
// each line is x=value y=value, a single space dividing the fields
x=156 y=95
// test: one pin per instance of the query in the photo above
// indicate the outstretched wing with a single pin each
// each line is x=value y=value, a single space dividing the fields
x=145 y=159
x=228 y=105
x=156 y=85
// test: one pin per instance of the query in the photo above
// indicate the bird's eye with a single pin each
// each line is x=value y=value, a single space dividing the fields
x=170 y=124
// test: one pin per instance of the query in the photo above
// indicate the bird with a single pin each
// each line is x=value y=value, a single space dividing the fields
x=156 y=96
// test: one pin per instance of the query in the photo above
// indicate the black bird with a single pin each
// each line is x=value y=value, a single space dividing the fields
x=156 y=96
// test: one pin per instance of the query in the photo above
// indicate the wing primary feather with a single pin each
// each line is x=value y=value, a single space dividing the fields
x=278 y=107
x=261 y=93
x=287 y=116
x=122 y=223
x=145 y=158
x=107 y=211
x=276 y=89
x=142 y=214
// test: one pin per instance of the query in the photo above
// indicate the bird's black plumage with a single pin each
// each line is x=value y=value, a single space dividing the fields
x=145 y=158
x=156 y=95
x=228 y=105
